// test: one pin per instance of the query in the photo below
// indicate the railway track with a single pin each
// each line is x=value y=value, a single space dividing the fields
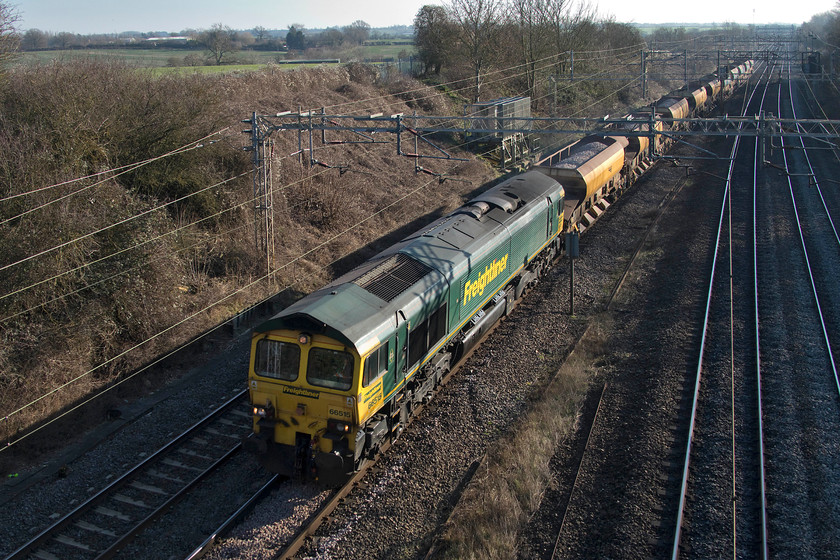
x=758 y=452
x=801 y=401
x=814 y=221
x=592 y=421
x=105 y=523
x=721 y=490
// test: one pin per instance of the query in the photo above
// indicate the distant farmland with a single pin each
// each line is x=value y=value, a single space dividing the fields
x=162 y=57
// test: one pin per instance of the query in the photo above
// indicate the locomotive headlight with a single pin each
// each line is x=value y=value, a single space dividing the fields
x=264 y=411
x=338 y=427
x=304 y=338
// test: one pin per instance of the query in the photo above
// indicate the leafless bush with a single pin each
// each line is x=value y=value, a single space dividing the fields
x=326 y=203
x=426 y=100
x=362 y=73
x=72 y=312
x=85 y=273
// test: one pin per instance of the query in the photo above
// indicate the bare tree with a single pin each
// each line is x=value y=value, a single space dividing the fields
x=330 y=38
x=244 y=39
x=34 y=39
x=260 y=33
x=64 y=40
x=9 y=37
x=433 y=37
x=478 y=24
x=833 y=25
x=357 y=32
x=530 y=32
x=570 y=27
x=220 y=40
x=620 y=35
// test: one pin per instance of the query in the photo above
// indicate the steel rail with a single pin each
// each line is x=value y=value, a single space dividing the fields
x=210 y=541
x=662 y=206
x=138 y=528
x=813 y=174
x=698 y=375
x=84 y=507
x=757 y=159
x=577 y=472
x=805 y=253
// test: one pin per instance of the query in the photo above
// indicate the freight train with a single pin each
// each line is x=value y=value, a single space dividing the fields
x=338 y=374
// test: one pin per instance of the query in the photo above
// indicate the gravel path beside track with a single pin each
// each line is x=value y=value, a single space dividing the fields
x=421 y=478
x=617 y=508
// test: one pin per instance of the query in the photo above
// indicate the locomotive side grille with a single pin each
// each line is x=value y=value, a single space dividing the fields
x=392 y=277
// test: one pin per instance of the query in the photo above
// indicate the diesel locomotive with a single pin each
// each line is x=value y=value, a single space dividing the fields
x=336 y=375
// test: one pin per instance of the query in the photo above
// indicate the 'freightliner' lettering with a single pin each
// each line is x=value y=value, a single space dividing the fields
x=301 y=392
x=491 y=271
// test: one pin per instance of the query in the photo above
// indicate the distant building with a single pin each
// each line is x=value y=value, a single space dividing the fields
x=171 y=41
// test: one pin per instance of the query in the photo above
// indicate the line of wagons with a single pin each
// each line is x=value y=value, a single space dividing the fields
x=338 y=374
x=596 y=168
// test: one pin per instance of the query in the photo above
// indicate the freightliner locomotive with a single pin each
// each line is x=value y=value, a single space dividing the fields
x=336 y=375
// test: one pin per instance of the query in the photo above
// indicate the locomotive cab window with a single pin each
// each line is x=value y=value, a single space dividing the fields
x=376 y=364
x=277 y=359
x=330 y=368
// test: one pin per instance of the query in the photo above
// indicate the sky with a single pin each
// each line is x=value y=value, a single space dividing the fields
x=113 y=16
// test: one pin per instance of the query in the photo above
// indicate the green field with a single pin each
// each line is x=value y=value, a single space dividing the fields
x=175 y=58
x=145 y=58
x=225 y=68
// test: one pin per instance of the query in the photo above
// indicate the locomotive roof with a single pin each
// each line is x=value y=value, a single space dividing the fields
x=360 y=307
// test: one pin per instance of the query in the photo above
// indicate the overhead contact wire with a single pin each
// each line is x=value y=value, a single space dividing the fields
x=146 y=242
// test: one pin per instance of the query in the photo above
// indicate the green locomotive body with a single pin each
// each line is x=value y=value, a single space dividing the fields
x=336 y=375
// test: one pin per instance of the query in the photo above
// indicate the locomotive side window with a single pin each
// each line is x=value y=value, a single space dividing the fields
x=426 y=334
x=276 y=359
x=417 y=343
x=330 y=368
x=376 y=364
x=437 y=325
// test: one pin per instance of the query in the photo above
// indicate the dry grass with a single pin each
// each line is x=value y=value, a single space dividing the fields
x=111 y=325
x=508 y=486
